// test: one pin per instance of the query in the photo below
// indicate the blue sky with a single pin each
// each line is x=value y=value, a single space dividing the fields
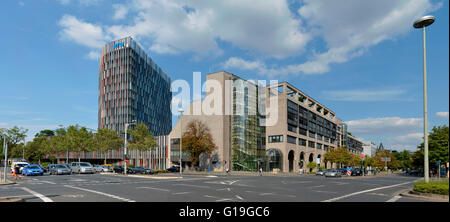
x=364 y=62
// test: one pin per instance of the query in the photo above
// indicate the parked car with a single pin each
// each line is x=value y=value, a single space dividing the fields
x=50 y=166
x=356 y=172
x=342 y=171
x=59 y=169
x=120 y=169
x=143 y=170
x=82 y=167
x=102 y=168
x=19 y=164
x=332 y=173
x=174 y=168
x=32 y=170
x=321 y=172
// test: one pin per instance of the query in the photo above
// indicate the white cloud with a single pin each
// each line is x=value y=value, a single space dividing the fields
x=349 y=28
x=263 y=28
x=442 y=115
x=81 y=2
x=83 y=33
x=384 y=126
x=366 y=95
x=120 y=11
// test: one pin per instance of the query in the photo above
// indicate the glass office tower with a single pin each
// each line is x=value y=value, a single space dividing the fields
x=247 y=131
x=132 y=87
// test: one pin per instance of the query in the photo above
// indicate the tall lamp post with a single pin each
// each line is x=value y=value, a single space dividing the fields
x=421 y=24
x=5 y=151
x=125 y=145
x=181 y=139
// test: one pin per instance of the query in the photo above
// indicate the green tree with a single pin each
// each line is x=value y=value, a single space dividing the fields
x=14 y=137
x=197 y=139
x=37 y=148
x=437 y=148
x=141 y=139
x=404 y=159
x=80 y=140
x=107 y=139
x=311 y=166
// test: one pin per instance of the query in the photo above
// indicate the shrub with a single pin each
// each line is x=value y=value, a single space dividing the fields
x=161 y=171
x=435 y=187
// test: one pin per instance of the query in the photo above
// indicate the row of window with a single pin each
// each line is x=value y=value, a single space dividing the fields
x=301 y=142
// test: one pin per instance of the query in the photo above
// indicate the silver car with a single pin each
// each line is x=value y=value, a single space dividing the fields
x=332 y=173
x=59 y=169
x=321 y=172
x=82 y=167
x=101 y=168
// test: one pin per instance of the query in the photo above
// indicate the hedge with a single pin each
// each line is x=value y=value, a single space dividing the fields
x=435 y=187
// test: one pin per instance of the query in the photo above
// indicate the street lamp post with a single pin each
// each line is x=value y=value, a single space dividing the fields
x=125 y=145
x=5 y=150
x=422 y=23
x=181 y=140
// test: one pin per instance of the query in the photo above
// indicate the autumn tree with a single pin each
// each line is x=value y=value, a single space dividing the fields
x=197 y=140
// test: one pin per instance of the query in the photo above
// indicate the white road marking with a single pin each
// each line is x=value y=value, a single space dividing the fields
x=101 y=193
x=240 y=198
x=365 y=191
x=180 y=193
x=47 y=182
x=42 y=197
x=393 y=199
x=190 y=185
x=153 y=188
x=264 y=194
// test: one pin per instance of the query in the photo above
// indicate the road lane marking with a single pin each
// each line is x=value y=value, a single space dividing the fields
x=47 y=182
x=365 y=191
x=240 y=198
x=180 y=193
x=189 y=185
x=393 y=199
x=153 y=188
x=40 y=196
x=101 y=193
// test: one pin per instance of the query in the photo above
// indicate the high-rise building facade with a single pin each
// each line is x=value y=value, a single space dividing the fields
x=132 y=87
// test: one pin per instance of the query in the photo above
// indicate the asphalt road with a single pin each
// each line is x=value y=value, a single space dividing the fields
x=203 y=188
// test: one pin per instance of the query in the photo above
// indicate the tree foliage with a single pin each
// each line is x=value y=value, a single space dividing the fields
x=342 y=157
x=437 y=148
x=197 y=139
x=141 y=138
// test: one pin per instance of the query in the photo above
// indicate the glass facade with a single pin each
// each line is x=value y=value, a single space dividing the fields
x=132 y=87
x=247 y=133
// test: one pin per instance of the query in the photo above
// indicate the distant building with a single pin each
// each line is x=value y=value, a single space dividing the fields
x=369 y=149
x=381 y=147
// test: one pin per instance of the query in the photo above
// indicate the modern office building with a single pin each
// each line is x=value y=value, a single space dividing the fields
x=239 y=137
x=303 y=132
x=132 y=87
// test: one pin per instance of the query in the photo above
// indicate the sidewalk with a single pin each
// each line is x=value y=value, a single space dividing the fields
x=425 y=196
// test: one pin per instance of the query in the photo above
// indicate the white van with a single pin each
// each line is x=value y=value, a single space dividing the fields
x=20 y=164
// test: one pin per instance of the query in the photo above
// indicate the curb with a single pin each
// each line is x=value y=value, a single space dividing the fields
x=425 y=196
x=11 y=199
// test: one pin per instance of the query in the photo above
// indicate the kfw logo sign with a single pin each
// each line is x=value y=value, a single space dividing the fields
x=117 y=45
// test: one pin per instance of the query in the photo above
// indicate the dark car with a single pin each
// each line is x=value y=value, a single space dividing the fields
x=357 y=172
x=342 y=171
x=143 y=170
x=120 y=169
x=174 y=168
